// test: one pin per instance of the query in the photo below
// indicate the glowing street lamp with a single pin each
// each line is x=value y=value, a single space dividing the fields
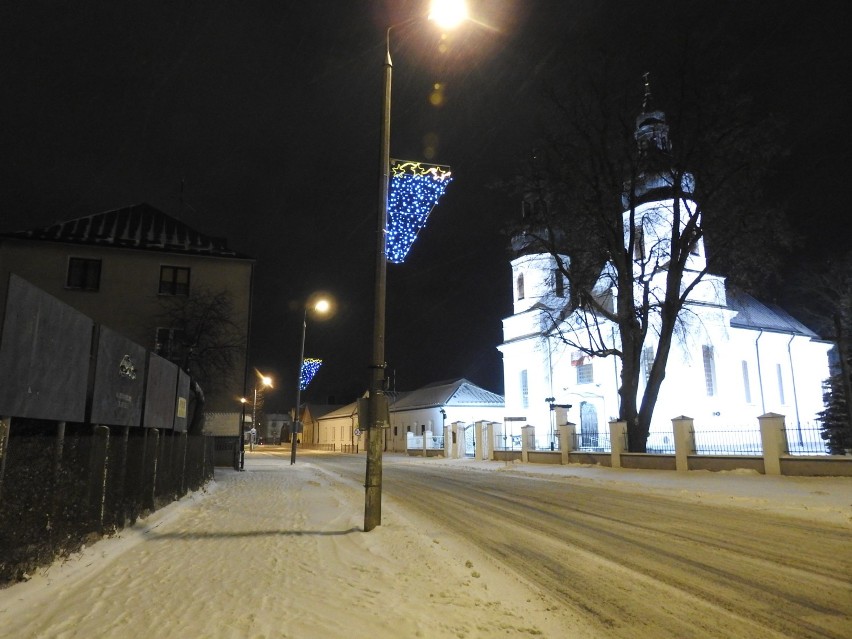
x=321 y=305
x=266 y=382
x=445 y=13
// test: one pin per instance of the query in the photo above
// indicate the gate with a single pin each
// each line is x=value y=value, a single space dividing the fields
x=469 y=441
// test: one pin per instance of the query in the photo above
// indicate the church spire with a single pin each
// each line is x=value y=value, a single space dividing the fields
x=646 y=101
x=652 y=132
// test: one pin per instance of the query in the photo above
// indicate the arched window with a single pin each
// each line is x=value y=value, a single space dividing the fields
x=520 y=286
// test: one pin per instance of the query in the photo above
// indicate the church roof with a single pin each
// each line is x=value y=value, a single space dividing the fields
x=139 y=226
x=459 y=393
x=756 y=315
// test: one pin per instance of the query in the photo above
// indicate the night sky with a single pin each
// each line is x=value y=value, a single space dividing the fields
x=259 y=122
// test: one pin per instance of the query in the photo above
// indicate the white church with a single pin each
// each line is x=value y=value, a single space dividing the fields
x=737 y=359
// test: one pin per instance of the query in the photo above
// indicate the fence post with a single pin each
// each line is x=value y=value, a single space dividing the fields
x=477 y=440
x=58 y=449
x=183 y=446
x=617 y=432
x=527 y=438
x=5 y=425
x=98 y=459
x=566 y=440
x=773 y=437
x=684 y=441
x=149 y=469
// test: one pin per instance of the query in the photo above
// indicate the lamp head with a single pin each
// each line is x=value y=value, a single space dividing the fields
x=448 y=14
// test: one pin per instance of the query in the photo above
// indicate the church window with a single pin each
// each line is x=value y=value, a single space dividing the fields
x=558 y=283
x=709 y=370
x=520 y=286
x=639 y=242
x=525 y=390
x=780 y=383
x=746 y=383
x=647 y=361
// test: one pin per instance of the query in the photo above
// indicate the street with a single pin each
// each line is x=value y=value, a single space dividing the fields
x=639 y=565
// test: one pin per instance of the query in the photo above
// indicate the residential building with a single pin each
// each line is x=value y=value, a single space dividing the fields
x=119 y=267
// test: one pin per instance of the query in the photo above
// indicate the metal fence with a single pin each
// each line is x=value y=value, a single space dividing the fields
x=594 y=442
x=806 y=439
x=65 y=484
x=739 y=441
x=416 y=442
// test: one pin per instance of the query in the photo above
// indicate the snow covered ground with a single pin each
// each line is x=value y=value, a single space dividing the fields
x=277 y=551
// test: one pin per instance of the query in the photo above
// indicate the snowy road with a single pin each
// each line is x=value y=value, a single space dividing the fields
x=488 y=550
x=638 y=564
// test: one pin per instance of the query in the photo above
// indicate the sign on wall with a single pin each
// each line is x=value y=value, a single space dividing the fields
x=119 y=381
x=182 y=402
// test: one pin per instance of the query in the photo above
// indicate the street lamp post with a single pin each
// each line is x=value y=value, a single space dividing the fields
x=267 y=382
x=447 y=13
x=242 y=435
x=320 y=306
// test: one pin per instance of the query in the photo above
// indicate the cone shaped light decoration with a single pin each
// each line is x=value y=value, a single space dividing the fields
x=414 y=190
x=309 y=368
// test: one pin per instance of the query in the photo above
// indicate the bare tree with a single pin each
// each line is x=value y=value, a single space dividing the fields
x=586 y=192
x=203 y=338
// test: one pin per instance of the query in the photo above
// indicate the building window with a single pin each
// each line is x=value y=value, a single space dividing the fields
x=558 y=283
x=709 y=370
x=525 y=390
x=395 y=431
x=84 y=274
x=520 y=286
x=170 y=343
x=647 y=361
x=746 y=383
x=780 y=383
x=174 y=280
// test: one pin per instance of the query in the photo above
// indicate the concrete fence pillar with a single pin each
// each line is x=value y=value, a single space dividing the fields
x=773 y=437
x=566 y=439
x=617 y=435
x=527 y=442
x=684 y=441
x=479 y=431
x=458 y=444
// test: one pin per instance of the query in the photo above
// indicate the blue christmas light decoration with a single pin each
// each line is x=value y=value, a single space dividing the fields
x=413 y=192
x=309 y=369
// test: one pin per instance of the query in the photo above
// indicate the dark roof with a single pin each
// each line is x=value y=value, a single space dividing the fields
x=140 y=226
x=761 y=316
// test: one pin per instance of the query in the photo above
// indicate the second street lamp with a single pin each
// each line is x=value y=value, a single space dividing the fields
x=320 y=305
x=266 y=382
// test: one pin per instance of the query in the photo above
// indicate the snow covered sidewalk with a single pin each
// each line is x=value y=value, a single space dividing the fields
x=277 y=551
